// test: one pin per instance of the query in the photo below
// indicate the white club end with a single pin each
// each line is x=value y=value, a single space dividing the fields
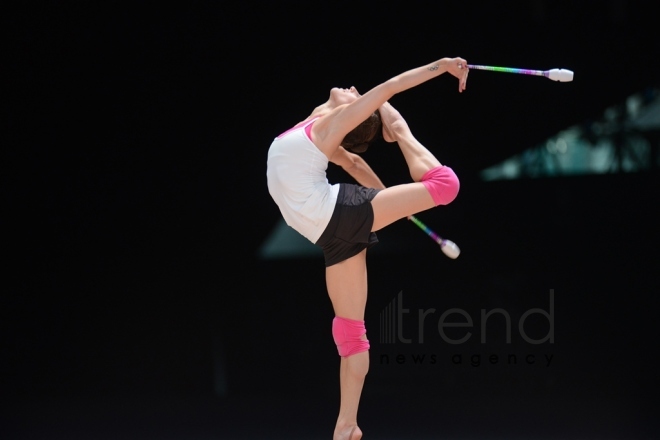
x=562 y=75
x=450 y=249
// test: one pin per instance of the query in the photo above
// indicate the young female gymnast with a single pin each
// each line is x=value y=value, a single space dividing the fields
x=342 y=218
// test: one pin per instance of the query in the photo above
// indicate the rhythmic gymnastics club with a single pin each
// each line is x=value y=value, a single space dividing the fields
x=448 y=247
x=561 y=75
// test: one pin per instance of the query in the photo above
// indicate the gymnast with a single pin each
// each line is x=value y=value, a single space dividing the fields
x=342 y=218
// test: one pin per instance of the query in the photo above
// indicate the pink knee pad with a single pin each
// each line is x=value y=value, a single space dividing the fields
x=442 y=183
x=347 y=334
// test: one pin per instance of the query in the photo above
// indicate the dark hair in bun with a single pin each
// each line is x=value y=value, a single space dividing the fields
x=359 y=139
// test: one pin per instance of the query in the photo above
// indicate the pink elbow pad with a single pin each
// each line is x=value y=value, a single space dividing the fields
x=442 y=183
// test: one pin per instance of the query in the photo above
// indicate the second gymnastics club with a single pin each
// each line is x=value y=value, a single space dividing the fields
x=561 y=75
x=448 y=247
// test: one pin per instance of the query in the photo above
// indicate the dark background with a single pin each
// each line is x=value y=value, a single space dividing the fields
x=135 y=203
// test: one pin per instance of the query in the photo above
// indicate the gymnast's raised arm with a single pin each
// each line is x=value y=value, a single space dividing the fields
x=330 y=130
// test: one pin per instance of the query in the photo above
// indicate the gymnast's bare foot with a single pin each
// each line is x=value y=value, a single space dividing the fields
x=347 y=433
x=393 y=123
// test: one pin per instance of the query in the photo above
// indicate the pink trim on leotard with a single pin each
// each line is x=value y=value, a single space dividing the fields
x=308 y=128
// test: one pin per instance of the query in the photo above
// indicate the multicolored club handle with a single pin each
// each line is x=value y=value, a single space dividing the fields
x=448 y=247
x=562 y=75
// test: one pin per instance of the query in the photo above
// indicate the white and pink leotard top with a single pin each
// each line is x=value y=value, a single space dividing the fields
x=297 y=181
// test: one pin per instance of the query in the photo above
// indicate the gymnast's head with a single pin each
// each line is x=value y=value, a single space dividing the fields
x=339 y=96
x=359 y=139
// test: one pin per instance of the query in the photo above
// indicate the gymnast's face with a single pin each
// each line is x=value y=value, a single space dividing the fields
x=341 y=96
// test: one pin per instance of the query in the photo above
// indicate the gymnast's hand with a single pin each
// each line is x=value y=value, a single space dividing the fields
x=458 y=67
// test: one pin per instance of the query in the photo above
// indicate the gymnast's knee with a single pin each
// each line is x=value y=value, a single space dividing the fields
x=348 y=335
x=442 y=183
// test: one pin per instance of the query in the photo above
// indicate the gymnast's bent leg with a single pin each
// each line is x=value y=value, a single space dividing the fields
x=434 y=184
